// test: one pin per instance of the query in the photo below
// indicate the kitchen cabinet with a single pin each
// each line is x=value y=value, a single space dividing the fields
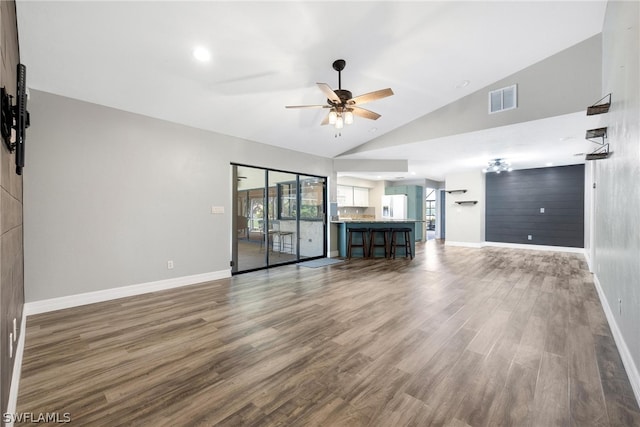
x=360 y=196
x=349 y=196
x=345 y=195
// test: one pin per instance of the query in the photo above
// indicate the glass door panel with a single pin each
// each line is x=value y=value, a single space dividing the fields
x=249 y=239
x=312 y=216
x=283 y=217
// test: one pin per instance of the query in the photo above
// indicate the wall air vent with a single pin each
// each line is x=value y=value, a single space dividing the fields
x=503 y=99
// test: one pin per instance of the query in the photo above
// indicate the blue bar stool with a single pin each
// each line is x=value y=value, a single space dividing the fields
x=363 y=241
x=375 y=243
x=406 y=244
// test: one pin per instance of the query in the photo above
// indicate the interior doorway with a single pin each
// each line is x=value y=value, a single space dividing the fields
x=279 y=218
x=430 y=213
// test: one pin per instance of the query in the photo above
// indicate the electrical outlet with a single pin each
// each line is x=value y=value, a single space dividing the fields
x=541 y=210
x=170 y=265
x=10 y=345
x=15 y=329
x=529 y=237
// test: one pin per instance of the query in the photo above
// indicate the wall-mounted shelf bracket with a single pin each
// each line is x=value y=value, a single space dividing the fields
x=598 y=136
x=456 y=191
x=466 y=202
x=600 y=107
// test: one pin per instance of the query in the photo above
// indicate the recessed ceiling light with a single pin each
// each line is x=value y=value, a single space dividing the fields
x=462 y=84
x=202 y=54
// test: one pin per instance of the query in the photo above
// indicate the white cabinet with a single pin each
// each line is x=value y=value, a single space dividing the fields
x=360 y=196
x=345 y=195
x=352 y=196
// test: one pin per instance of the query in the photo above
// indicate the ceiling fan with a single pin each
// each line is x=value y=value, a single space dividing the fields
x=341 y=103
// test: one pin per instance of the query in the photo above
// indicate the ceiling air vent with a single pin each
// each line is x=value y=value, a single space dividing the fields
x=503 y=99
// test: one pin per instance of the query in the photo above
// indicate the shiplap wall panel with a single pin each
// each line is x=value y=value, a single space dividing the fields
x=514 y=199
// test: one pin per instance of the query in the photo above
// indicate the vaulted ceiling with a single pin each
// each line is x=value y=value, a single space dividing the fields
x=137 y=56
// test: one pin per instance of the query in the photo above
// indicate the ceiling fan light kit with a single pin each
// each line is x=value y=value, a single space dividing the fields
x=497 y=166
x=341 y=103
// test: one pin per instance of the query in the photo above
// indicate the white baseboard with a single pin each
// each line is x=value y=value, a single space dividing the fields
x=463 y=244
x=625 y=354
x=536 y=247
x=44 y=306
x=17 y=368
x=588 y=259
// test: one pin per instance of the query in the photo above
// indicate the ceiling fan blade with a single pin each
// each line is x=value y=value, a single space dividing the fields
x=329 y=93
x=371 y=96
x=325 y=121
x=307 y=106
x=361 y=112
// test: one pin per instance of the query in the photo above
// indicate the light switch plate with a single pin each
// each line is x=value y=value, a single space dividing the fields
x=217 y=209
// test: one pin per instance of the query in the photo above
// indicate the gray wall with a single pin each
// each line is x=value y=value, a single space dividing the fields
x=464 y=224
x=111 y=196
x=617 y=194
x=11 y=252
x=514 y=200
x=564 y=83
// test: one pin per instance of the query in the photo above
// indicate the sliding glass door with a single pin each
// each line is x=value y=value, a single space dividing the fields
x=312 y=216
x=283 y=223
x=279 y=218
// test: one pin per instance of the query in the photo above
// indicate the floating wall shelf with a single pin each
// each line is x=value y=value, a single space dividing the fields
x=597 y=155
x=466 y=202
x=598 y=107
x=598 y=136
x=596 y=133
x=456 y=191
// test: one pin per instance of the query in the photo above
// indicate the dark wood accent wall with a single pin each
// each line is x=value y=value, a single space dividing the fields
x=514 y=199
x=11 y=248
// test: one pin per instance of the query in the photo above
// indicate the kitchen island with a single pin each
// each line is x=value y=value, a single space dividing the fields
x=343 y=225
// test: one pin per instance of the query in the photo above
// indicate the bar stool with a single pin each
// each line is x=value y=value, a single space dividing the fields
x=363 y=244
x=374 y=243
x=286 y=245
x=406 y=244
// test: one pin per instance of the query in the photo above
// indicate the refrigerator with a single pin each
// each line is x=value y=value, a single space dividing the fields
x=394 y=207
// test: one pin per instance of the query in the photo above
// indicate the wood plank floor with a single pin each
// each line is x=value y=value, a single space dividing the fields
x=455 y=337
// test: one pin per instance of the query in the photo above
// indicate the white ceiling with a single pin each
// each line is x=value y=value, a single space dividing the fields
x=137 y=56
